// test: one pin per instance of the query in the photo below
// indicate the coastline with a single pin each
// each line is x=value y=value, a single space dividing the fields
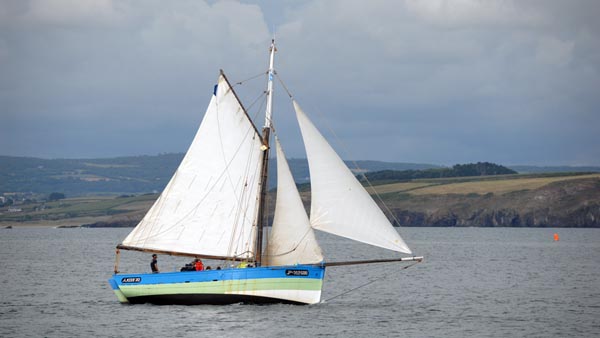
x=70 y=223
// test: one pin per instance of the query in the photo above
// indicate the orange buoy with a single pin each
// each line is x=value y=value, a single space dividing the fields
x=556 y=238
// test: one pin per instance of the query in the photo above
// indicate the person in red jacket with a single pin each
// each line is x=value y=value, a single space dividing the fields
x=198 y=264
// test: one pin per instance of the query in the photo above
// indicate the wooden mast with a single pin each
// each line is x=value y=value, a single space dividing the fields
x=266 y=134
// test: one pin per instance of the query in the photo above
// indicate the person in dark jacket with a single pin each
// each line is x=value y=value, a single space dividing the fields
x=154 y=264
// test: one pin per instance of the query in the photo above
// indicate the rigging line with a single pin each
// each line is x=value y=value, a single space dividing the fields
x=268 y=200
x=255 y=218
x=345 y=148
x=250 y=78
x=249 y=171
x=368 y=283
x=145 y=233
x=283 y=85
x=339 y=141
x=161 y=203
x=268 y=230
x=233 y=247
x=387 y=209
x=256 y=100
x=237 y=215
x=260 y=107
x=224 y=175
x=294 y=248
x=244 y=199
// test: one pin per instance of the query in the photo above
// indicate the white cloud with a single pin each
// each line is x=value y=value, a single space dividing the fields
x=458 y=14
x=61 y=13
x=439 y=73
x=553 y=51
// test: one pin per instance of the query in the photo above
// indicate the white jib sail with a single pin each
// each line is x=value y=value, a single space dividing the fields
x=339 y=203
x=292 y=240
x=209 y=206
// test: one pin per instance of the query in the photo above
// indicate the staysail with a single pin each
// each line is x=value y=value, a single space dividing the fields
x=292 y=240
x=209 y=206
x=339 y=203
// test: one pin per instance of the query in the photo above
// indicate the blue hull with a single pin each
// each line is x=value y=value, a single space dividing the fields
x=298 y=284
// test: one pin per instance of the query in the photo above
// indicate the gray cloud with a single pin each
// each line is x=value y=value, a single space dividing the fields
x=430 y=81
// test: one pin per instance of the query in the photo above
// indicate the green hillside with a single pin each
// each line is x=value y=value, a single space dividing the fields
x=545 y=200
x=540 y=200
x=78 y=177
x=124 y=175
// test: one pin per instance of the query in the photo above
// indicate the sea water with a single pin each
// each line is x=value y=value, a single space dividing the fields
x=474 y=282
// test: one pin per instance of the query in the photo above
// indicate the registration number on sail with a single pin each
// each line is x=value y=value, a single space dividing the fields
x=290 y=272
x=131 y=280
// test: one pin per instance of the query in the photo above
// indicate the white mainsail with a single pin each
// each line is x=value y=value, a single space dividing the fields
x=292 y=240
x=209 y=206
x=339 y=203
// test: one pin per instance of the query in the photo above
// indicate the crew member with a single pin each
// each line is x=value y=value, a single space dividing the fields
x=198 y=264
x=154 y=264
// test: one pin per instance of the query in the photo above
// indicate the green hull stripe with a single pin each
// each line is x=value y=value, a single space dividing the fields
x=120 y=296
x=223 y=287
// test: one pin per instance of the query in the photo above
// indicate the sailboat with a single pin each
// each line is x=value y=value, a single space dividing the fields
x=214 y=207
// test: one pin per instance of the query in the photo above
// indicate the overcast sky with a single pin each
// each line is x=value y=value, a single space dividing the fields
x=441 y=82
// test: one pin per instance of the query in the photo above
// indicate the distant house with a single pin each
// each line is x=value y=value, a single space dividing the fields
x=13 y=209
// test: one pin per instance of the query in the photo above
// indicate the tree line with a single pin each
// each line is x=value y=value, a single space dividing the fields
x=458 y=170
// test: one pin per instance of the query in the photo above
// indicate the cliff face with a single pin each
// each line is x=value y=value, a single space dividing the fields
x=574 y=203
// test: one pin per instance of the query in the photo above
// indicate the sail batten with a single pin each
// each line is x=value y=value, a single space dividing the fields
x=339 y=203
x=209 y=206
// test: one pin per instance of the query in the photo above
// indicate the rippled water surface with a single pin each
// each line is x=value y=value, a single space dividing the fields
x=475 y=282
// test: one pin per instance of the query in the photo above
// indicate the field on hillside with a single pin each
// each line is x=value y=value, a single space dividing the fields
x=77 y=211
x=449 y=201
x=470 y=185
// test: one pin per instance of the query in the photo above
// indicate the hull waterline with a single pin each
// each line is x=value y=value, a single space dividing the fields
x=298 y=284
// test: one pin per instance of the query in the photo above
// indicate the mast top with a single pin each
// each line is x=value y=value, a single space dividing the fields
x=269 y=110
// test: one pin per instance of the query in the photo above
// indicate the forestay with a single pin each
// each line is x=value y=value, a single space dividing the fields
x=339 y=203
x=209 y=206
x=292 y=240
